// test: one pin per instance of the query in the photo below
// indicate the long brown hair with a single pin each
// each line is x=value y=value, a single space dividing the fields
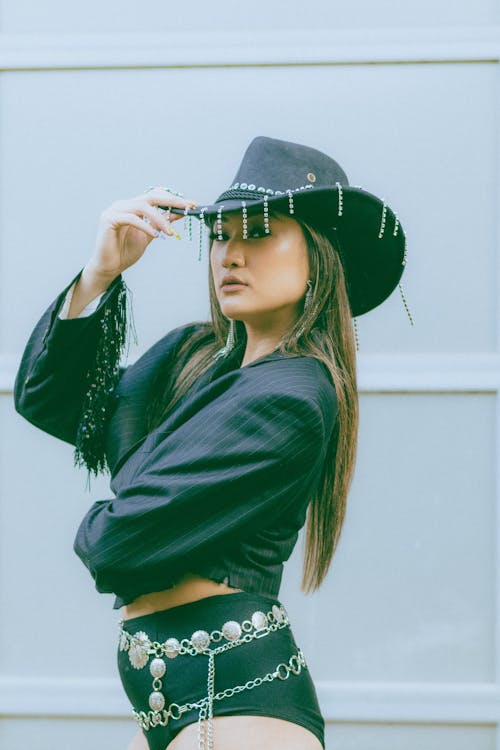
x=328 y=336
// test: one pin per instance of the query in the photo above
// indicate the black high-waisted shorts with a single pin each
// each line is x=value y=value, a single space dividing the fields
x=291 y=695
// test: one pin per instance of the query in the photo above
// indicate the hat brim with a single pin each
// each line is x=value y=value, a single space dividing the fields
x=364 y=229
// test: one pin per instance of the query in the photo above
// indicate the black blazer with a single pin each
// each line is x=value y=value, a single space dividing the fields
x=219 y=488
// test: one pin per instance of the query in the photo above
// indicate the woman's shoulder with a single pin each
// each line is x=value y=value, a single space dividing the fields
x=303 y=377
x=156 y=357
x=185 y=330
x=171 y=340
x=288 y=368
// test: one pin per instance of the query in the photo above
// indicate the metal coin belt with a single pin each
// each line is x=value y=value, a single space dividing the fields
x=140 y=647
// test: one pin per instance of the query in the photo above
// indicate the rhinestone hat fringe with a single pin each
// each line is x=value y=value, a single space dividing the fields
x=102 y=378
x=242 y=191
x=117 y=324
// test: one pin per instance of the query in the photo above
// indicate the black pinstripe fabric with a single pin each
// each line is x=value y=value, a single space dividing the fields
x=219 y=488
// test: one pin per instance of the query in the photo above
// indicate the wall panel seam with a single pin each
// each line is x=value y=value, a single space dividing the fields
x=40 y=51
x=459 y=373
x=419 y=702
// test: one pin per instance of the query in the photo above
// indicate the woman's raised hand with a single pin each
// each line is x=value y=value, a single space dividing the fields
x=123 y=235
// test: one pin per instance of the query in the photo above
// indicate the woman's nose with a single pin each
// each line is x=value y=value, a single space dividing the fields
x=233 y=247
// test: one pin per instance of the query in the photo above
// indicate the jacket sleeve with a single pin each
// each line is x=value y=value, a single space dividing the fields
x=69 y=368
x=217 y=479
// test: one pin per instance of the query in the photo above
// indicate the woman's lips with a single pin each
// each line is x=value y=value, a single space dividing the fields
x=233 y=287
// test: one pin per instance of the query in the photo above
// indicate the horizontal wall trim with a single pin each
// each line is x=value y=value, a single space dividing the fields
x=428 y=372
x=382 y=373
x=414 y=702
x=424 y=702
x=40 y=51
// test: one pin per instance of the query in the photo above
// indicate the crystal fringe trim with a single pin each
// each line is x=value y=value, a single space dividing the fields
x=101 y=380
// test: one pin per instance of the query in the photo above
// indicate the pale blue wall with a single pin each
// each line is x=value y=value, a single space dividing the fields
x=402 y=640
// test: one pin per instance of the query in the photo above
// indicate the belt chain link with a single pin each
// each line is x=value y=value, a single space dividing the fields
x=140 y=647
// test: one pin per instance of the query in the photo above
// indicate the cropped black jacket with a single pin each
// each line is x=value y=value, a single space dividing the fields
x=220 y=488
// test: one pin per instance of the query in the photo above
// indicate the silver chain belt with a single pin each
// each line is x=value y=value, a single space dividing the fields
x=140 y=647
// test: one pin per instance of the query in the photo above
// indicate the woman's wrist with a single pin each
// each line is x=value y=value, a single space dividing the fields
x=91 y=283
x=97 y=276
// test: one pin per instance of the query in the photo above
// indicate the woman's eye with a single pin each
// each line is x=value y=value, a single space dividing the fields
x=257 y=232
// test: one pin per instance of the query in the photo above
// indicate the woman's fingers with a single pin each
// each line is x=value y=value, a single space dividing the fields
x=146 y=212
x=135 y=221
x=155 y=217
x=163 y=198
x=160 y=197
x=150 y=213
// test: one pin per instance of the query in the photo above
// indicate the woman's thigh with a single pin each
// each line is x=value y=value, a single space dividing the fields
x=138 y=742
x=248 y=733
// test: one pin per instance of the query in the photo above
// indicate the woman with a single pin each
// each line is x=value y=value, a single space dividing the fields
x=218 y=454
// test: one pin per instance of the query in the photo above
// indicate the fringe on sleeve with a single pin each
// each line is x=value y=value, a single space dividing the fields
x=101 y=378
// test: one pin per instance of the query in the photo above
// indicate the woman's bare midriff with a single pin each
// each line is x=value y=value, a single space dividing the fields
x=190 y=588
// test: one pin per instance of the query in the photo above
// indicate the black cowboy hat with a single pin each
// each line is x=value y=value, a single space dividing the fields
x=306 y=182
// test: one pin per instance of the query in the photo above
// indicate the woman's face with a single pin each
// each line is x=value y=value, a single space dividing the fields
x=274 y=268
